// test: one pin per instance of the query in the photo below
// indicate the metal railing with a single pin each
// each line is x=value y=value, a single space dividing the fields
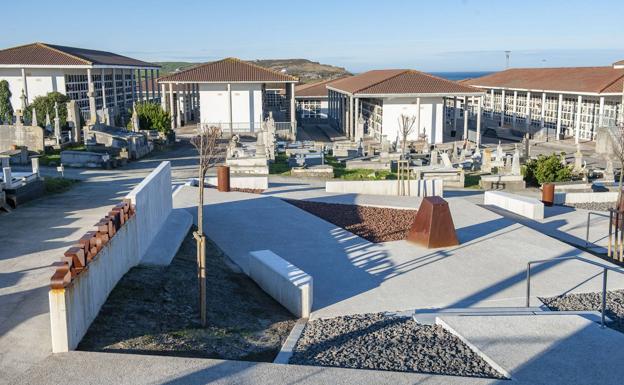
x=589 y=214
x=604 y=280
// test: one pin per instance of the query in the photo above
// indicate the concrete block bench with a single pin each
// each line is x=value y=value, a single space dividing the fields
x=518 y=204
x=285 y=282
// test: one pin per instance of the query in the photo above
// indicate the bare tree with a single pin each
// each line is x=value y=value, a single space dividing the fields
x=406 y=127
x=207 y=145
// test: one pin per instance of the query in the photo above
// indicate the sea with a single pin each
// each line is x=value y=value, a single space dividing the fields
x=461 y=75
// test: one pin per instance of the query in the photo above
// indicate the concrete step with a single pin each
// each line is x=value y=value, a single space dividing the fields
x=547 y=347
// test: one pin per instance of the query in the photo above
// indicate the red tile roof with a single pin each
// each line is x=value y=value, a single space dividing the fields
x=229 y=70
x=51 y=55
x=573 y=79
x=402 y=81
x=316 y=89
x=619 y=63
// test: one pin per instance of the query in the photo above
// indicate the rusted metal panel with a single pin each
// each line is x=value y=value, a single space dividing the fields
x=223 y=178
x=433 y=225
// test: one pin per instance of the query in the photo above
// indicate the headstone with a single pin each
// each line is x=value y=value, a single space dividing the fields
x=515 y=163
x=35 y=165
x=500 y=157
x=92 y=110
x=508 y=160
x=48 y=125
x=445 y=160
x=578 y=159
x=486 y=160
x=527 y=146
x=359 y=128
x=609 y=173
x=136 y=126
x=73 y=120
x=434 y=157
x=106 y=116
x=33 y=119
x=6 y=176
x=57 y=125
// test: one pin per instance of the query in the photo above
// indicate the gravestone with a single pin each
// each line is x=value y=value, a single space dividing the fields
x=359 y=128
x=73 y=120
x=486 y=160
x=434 y=157
x=578 y=159
x=446 y=162
x=57 y=125
x=515 y=163
x=33 y=118
x=433 y=226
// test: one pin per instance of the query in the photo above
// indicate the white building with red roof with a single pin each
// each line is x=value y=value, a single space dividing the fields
x=112 y=80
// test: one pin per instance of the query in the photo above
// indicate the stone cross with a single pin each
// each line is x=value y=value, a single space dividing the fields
x=57 y=125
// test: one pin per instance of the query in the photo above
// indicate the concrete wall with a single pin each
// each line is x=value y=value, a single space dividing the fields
x=251 y=182
x=517 y=204
x=285 y=282
x=420 y=188
x=431 y=118
x=153 y=201
x=29 y=136
x=73 y=309
x=246 y=104
x=569 y=198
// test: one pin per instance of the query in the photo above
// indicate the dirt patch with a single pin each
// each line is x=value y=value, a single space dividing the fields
x=155 y=310
x=374 y=224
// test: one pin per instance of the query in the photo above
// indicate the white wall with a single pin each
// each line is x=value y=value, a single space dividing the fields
x=431 y=118
x=418 y=188
x=40 y=81
x=246 y=103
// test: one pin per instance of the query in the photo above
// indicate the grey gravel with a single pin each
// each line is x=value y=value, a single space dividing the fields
x=383 y=342
x=594 y=206
x=592 y=301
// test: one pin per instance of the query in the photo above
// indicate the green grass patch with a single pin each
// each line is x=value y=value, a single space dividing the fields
x=341 y=172
x=54 y=155
x=55 y=185
x=280 y=165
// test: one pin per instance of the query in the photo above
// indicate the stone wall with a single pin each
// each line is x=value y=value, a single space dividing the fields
x=29 y=136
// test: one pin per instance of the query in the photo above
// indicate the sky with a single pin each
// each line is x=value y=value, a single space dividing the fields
x=434 y=36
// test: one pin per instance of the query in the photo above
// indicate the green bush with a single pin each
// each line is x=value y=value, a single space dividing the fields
x=546 y=169
x=152 y=117
x=45 y=104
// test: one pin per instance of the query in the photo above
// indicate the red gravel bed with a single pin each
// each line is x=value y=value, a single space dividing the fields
x=374 y=224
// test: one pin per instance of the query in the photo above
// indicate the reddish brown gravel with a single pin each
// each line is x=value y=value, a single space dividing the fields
x=374 y=224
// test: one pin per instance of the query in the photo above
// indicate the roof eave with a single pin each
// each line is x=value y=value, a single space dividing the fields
x=586 y=93
x=226 y=81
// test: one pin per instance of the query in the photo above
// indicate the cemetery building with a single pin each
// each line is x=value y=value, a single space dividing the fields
x=380 y=97
x=313 y=100
x=112 y=80
x=231 y=93
x=554 y=102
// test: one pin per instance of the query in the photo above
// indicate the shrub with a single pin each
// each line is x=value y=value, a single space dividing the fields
x=546 y=169
x=6 y=109
x=153 y=117
x=45 y=104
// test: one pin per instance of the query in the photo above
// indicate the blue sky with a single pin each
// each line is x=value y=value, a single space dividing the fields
x=443 y=35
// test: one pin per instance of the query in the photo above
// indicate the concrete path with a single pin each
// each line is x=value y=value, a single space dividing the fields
x=547 y=348
x=36 y=234
x=85 y=368
x=352 y=275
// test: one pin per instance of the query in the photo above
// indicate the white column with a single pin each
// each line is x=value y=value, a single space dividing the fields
x=163 y=101
x=114 y=88
x=133 y=82
x=466 y=109
x=418 y=116
x=492 y=104
x=527 y=111
x=543 y=112
x=159 y=90
x=579 y=105
x=601 y=112
x=559 y=109
x=513 y=112
x=103 y=87
x=293 y=115
x=178 y=105
x=479 y=112
x=502 y=119
x=123 y=86
x=455 y=114
x=153 y=84
x=24 y=85
x=351 y=131
x=187 y=102
x=171 y=107
x=229 y=92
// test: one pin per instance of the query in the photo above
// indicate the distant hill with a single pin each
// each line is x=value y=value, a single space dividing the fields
x=306 y=70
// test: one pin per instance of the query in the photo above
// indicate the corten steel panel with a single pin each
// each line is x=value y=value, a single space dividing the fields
x=548 y=194
x=223 y=178
x=433 y=226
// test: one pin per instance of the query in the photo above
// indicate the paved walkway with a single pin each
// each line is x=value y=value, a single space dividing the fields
x=35 y=235
x=352 y=275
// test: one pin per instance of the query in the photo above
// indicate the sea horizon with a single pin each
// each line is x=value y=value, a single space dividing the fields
x=461 y=75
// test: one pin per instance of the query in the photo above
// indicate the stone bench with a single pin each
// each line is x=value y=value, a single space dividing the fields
x=518 y=204
x=286 y=283
x=419 y=188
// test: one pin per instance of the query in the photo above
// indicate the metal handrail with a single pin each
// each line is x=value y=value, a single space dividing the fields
x=604 y=280
x=589 y=214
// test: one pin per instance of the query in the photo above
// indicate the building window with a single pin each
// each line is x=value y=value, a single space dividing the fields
x=310 y=109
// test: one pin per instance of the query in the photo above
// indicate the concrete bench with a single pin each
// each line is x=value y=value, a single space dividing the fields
x=286 y=283
x=521 y=205
x=420 y=188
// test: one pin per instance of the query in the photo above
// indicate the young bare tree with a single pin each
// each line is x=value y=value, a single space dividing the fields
x=207 y=145
x=406 y=127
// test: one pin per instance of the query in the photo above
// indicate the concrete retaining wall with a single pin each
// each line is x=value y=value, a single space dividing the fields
x=518 y=204
x=569 y=198
x=73 y=309
x=420 y=188
x=285 y=282
x=153 y=201
x=250 y=182
x=29 y=136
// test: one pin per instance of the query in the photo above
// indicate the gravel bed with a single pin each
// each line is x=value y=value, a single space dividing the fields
x=375 y=224
x=592 y=301
x=602 y=206
x=382 y=342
